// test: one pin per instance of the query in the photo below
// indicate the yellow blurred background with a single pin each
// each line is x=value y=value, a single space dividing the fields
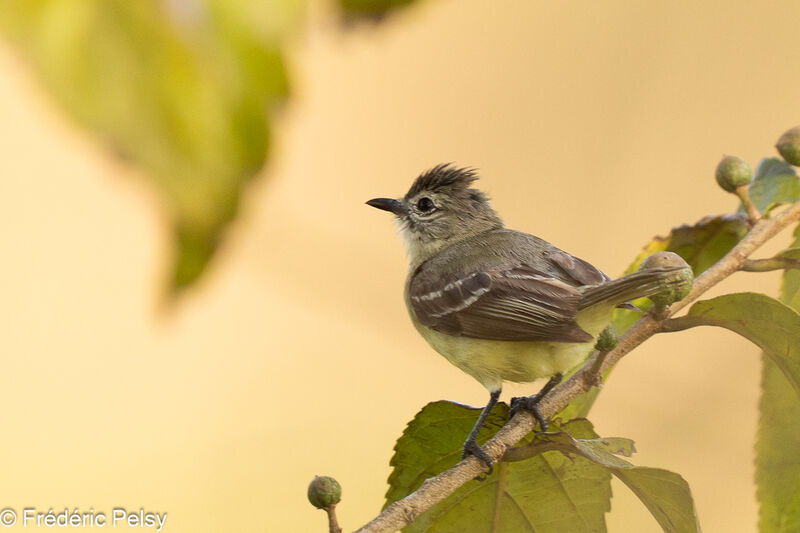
x=594 y=125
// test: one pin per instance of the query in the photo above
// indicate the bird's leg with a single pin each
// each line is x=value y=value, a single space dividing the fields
x=471 y=446
x=531 y=403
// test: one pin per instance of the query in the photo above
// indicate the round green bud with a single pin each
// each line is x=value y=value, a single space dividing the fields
x=675 y=288
x=789 y=146
x=608 y=339
x=324 y=491
x=733 y=172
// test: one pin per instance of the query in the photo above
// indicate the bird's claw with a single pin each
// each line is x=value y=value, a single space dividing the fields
x=471 y=447
x=529 y=403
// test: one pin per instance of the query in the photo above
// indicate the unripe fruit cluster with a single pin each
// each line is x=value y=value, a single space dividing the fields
x=324 y=491
x=676 y=291
x=789 y=146
x=733 y=172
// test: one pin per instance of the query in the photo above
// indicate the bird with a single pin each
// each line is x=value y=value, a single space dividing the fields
x=499 y=304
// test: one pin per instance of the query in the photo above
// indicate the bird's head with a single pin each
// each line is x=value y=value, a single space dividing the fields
x=440 y=209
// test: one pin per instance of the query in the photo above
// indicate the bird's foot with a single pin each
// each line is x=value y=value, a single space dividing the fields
x=529 y=403
x=471 y=447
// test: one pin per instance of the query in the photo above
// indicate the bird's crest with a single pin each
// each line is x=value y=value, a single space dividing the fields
x=444 y=177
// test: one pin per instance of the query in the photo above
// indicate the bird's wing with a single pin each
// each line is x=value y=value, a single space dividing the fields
x=517 y=304
x=577 y=269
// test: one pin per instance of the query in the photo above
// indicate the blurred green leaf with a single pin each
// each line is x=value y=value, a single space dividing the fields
x=181 y=88
x=370 y=9
x=789 y=253
x=778 y=435
x=580 y=406
x=775 y=183
x=701 y=245
x=548 y=493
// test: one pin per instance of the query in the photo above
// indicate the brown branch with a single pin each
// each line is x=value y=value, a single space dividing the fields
x=435 y=489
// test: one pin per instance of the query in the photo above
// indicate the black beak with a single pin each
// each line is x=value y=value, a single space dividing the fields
x=388 y=204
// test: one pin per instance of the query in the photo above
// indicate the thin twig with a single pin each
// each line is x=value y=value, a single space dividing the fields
x=681 y=323
x=594 y=376
x=529 y=450
x=435 y=489
x=767 y=265
x=333 y=524
x=743 y=192
x=597 y=359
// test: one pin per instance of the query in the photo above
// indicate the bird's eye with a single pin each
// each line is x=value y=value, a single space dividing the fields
x=425 y=205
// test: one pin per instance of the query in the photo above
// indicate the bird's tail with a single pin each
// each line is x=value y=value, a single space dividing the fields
x=644 y=283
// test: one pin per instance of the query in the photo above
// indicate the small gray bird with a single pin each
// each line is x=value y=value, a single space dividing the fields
x=500 y=304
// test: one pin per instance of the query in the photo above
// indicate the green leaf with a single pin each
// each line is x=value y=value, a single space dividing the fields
x=665 y=494
x=183 y=90
x=551 y=482
x=701 y=245
x=778 y=435
x=432 y=442
x=775 y=183
x=777 y=459
x=580 y=406
x=548 y=493
x=771 y=325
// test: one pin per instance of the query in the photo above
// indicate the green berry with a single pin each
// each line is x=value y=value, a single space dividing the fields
x=733 y=172
x=789 y=146
x=675 y=289
x=324 y=491
x=607 y=340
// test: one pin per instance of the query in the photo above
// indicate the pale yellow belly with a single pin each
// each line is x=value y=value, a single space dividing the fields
x=492 y=362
